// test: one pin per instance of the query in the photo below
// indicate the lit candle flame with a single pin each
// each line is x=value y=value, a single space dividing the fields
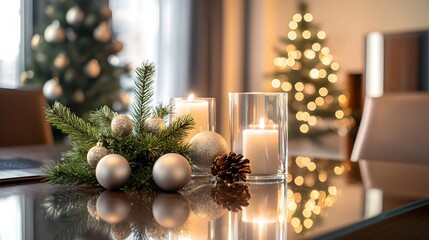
x=191 y=97
x=261 y=123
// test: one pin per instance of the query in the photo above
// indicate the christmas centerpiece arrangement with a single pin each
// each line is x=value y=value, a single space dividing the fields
x=146 y=151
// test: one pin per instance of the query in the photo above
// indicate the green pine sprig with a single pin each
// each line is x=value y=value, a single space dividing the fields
x=141 y=148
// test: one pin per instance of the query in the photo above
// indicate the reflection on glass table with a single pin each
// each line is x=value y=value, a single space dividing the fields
x=317 y=197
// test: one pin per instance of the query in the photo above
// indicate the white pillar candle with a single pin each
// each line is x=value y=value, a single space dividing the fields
x=261 y=147
x=198 y=109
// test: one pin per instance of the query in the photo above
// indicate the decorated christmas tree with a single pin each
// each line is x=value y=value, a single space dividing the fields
x=306 y=70
x=73 y=57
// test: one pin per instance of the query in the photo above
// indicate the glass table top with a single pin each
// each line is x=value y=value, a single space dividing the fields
x=318 y=196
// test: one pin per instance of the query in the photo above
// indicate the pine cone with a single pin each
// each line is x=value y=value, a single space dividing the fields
x=231 y=197
x=230 y=168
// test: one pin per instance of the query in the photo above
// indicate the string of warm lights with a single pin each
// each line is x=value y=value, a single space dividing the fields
x=307 y=71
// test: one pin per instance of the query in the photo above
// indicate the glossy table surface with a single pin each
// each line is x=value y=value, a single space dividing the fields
x=318 y=196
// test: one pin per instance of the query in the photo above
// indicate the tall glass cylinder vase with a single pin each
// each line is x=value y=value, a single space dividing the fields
x=258 y=128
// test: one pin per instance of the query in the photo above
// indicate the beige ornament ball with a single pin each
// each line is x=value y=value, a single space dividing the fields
x=171 y=172
x=92 y=69
x=171 y=210
x=95 y=154
x=113 y=171
x=52 y=89
x=106 y=12
x=61 y=61
x=121 y=125
x=205 y=147
x=36 y=40
x=102 y=32
x=79 y=96
x=54 y=32
x=71 y=35
x=113 y=206
x=74 y=15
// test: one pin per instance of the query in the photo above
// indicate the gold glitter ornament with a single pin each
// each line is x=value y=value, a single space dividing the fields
x=96 y=153
x=154 y=124
x=121 y=125
x=204 y=148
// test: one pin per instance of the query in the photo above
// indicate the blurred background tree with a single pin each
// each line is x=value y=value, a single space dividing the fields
x=74 y=57
x=306 y=70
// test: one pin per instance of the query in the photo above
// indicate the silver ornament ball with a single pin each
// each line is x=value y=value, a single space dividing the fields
x=74 y=15
x=171 y=210
x=95 y=154
x=171 y=172
x=205 y=147
x=154 y=124
x=113 y=207
x=52 y=89
x=121 y=125
x=113 y=171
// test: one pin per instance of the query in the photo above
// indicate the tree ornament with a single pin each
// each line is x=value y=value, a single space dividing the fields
x=92 y=68
x=113 y=207
x=171 y=172
x=121 y=125
x=79 y=96
x=105 y=11
x=52 y=89
x=36 y=40
x=230 y=168
x=71 y=35
x=205 y=147
x=117 y=46
x=154 y=124
x=231 y=196
x=61 y=61
x=74 y=15
x=96 y=153
x=54 y=32
x=171 y=210
x=102 y=32
x=113 y=171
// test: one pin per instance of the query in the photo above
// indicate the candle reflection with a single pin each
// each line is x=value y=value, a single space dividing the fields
x=264 y=217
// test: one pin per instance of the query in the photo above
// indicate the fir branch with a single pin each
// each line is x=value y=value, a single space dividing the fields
x=178 y=129
x=69 y=172
x=162 y=110
x=62 y=118
x=102 y=117
x=143 y=92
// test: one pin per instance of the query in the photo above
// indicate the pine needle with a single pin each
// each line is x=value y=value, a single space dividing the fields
x=143 y=85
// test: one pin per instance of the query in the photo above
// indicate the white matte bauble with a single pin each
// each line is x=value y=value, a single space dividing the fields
x=171 y=172
x=95 y=154
x=205 y=147
x=92 y=68
x=113 y=171
x=102 y=32
x=54 y=32
x=121 y=125
x=52 y=89
x=171 y=210
x=113 y=206
x=74 y=15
